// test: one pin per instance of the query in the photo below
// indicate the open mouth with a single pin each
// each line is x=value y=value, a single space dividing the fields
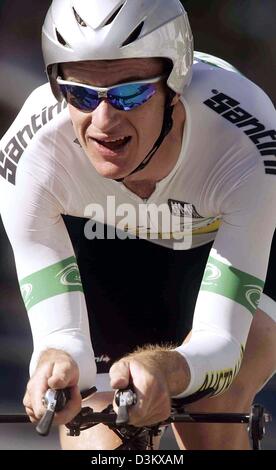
x=114 y=145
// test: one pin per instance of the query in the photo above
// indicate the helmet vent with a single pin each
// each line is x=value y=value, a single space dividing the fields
x=79 y=19
x=134 y=35
x=112 y=18
x=61 y=40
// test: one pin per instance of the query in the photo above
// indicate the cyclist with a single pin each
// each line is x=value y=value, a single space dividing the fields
x=140 y=134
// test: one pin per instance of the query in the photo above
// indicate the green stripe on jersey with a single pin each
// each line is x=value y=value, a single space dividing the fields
x=232 y=283
x=59 y=278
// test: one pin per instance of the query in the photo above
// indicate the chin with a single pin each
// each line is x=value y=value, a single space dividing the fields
x=110 y=170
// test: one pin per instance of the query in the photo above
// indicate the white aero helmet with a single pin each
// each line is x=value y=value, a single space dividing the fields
x=81 y=30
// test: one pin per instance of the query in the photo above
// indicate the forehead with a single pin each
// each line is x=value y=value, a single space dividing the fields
x=106 y=70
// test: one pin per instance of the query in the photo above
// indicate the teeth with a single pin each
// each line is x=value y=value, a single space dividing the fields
x=114 y=140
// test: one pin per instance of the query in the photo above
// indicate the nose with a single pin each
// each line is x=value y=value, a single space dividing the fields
x=105 y=117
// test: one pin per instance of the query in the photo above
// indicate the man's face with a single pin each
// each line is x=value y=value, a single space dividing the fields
x=138 y=128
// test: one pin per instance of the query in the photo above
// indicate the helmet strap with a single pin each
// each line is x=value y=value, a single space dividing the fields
x=166 y=128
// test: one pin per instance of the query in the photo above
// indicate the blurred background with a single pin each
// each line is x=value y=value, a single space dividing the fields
x=241 y=32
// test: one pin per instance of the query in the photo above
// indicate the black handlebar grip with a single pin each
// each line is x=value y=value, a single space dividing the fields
x=44 y=425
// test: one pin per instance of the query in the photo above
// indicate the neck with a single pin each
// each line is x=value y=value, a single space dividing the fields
x=143 y=182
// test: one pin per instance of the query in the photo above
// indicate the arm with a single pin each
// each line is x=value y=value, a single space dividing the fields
x=232 y=284
x=226 y=303
x=47 y=270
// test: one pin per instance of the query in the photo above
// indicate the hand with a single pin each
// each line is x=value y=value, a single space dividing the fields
x=156 y=375
x=55 y=370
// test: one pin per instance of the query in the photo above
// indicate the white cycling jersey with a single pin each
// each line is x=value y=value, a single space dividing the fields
x=222 y=188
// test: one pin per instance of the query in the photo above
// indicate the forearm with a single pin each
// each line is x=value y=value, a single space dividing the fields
x=61 y=323
x=214 y=360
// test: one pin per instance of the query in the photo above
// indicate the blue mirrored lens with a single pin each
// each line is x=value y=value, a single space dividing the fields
x=82 y=98
x=123 y=97
x=128 y=97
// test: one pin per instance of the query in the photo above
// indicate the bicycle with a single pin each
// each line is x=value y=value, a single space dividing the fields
x=134 y=438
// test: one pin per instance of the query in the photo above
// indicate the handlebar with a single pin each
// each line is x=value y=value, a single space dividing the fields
x=55 y=400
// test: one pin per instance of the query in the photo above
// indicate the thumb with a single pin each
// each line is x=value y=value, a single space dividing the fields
x=119 y=374
x=63 y=377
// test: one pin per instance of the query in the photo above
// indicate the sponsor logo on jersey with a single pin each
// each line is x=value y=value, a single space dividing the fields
x=230 y=282
x=102 y=358
x=70 y=276
x=26 y=292
x=264 y=140
x=253 y=294
x=183 y=209
x=220 y=380
x=13 y=151
x=56 y=279
x=211 y=275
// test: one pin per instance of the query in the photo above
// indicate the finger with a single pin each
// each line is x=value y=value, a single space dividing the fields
x=33 y=419
x=72 y=407
x=30 y=408
x=31 y=415
x=36 y=388
x=119 y=374
x=139 y=418
x=30 y=412
x=38 y=402
x=27 y=400
x=148 y=412
x=142 y=417
x=63 y=376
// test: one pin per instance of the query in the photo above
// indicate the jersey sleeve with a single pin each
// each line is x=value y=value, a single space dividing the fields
x=232 y=284
x=48 y=274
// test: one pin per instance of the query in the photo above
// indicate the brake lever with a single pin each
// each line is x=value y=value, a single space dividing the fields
x=54 y=401
x=124 y=399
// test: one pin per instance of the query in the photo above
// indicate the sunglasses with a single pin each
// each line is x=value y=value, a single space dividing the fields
x=125 y=96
